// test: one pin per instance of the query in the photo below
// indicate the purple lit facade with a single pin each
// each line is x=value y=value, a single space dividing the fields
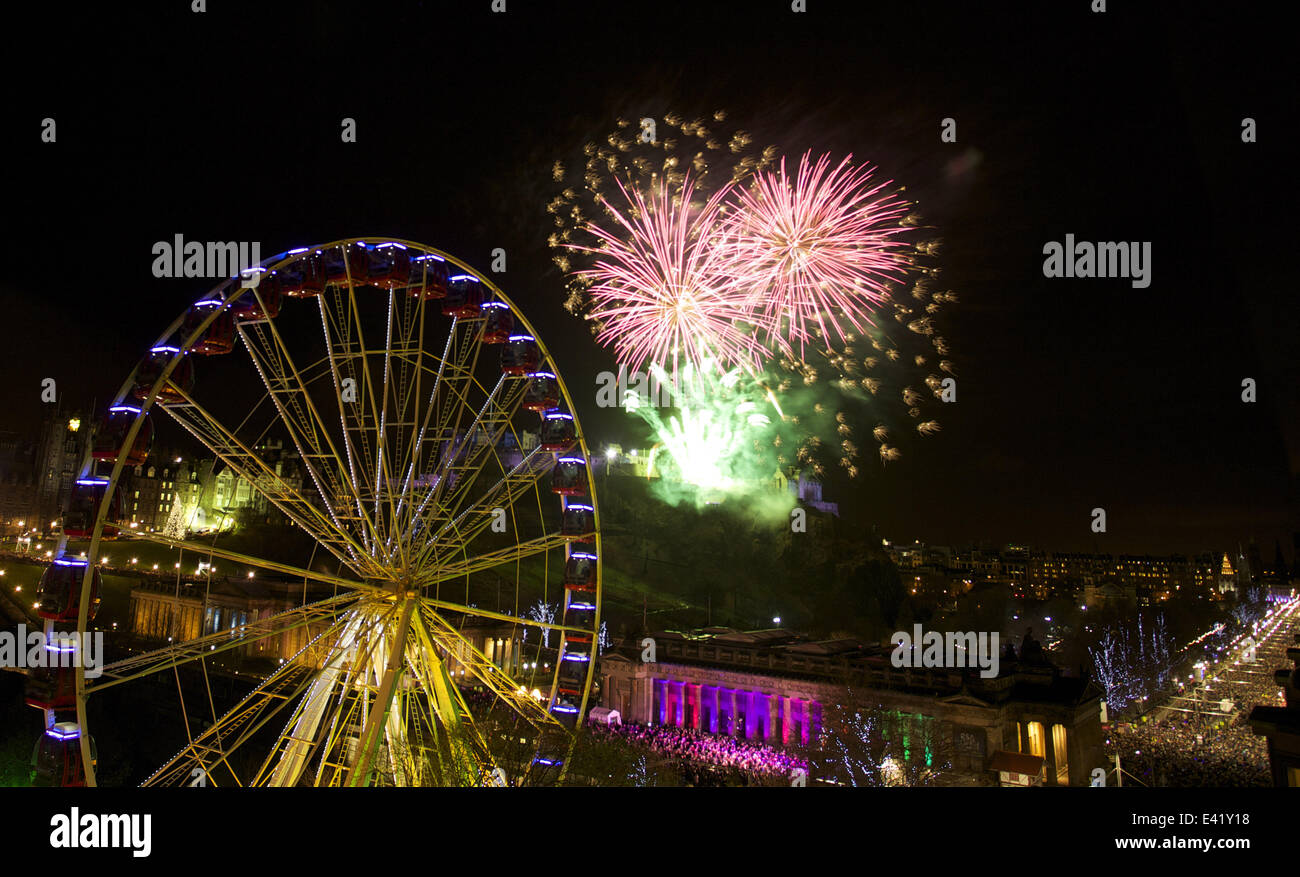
x=772 y=718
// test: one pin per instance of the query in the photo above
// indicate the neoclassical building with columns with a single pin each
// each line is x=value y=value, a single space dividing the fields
x=774 y=685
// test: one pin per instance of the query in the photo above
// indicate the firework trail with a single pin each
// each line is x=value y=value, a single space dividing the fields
x=658 y=290
x=702 y=150
x=816 y=250
x=711 y=440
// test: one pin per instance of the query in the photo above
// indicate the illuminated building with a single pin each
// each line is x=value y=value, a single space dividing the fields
x=60 y=451
x=1141 y=580
x=162 y=612
x=775 y=686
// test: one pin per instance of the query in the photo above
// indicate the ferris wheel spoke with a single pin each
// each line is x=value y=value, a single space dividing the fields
x=362 y=772
x=450 y=397
x=333 y=732
x=402 y=429
x=321 y=721
x=403 y=369
x=382 y=477
x=461 y=468
x=219 y=742
x=499 y=616
x=264 y=480
x=289 y=389
x=470 y=523
x=493 y=422
x=444 y=568
x=358 y=699
x=218 y=642
x=402 y=761
x=446 y=707
x=249 y=560
x=354 y=390
x=414 y=454
x=452 y=642
x=211 y=749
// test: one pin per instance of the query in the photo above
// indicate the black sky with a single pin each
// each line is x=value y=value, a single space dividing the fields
x=1072 y=393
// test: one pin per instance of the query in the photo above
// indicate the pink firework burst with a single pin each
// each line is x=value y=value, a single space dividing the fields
x=659 y=286
x=816 y=252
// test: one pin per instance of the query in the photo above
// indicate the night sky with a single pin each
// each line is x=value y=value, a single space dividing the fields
x=1072 y=393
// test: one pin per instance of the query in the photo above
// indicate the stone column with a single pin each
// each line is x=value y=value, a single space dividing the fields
x=1049 y=753
x=647 y=698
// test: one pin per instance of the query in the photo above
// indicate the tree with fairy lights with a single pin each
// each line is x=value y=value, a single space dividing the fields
x=864 y=743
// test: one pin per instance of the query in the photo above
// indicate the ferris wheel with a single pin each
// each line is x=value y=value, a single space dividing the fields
x=442 y=477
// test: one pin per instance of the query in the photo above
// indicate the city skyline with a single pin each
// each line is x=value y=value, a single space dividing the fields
x=11 y=469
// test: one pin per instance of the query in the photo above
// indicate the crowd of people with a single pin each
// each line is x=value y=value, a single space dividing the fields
x=1194 y=743
x=1191 y=752
x=707 y=759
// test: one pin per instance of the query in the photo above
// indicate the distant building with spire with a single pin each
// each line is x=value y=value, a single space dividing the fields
x=1234 y=578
